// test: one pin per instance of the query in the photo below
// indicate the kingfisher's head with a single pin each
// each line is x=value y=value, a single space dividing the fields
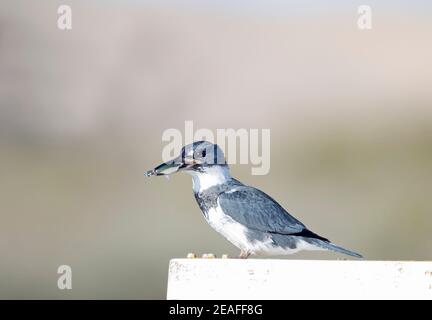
x=195 y=157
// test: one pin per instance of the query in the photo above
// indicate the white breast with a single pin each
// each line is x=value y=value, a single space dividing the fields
x=236 y=234
x=230 y=229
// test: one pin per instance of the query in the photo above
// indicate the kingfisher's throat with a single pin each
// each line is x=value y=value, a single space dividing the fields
x=210 y=177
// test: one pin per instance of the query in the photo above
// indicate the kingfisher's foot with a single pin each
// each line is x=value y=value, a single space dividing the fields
x=244 y=254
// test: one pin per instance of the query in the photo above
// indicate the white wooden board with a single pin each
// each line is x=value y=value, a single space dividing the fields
x=298 y=279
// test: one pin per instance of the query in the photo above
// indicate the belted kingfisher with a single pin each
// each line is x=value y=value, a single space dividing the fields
x=247 y=217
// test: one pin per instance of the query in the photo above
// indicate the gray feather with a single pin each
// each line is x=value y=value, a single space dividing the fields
x=333 y=247
x=258 y=211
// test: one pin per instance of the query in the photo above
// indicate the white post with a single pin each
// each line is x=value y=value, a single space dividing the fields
x=298 y=279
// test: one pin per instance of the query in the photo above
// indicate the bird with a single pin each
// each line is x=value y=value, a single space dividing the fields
x=246 y=216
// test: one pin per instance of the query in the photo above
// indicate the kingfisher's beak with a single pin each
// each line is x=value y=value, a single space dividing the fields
x=170 y=167
x=166 y=168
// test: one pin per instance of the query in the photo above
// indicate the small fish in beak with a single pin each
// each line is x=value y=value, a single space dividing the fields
x=166 y=168
x=150 y=173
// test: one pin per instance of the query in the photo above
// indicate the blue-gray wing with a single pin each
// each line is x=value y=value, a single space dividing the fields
x=256 y=210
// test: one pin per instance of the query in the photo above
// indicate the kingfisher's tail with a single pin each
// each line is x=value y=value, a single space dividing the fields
x=330 y=246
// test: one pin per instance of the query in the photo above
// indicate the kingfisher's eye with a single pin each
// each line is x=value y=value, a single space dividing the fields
x=203 y=154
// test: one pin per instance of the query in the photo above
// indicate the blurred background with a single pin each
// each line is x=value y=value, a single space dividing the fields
x=82 y=114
